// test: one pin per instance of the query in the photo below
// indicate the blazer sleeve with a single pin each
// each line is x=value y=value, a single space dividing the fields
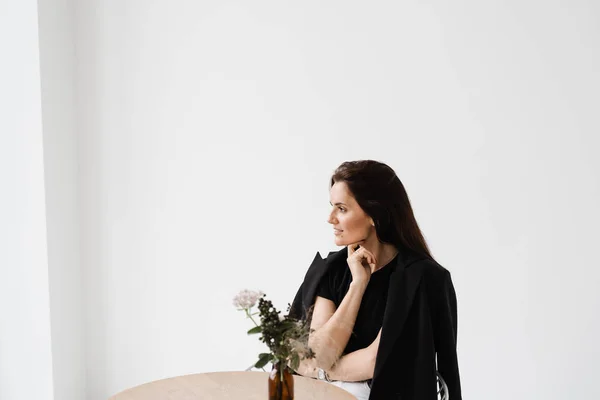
x=300 y=307
x=445 y=335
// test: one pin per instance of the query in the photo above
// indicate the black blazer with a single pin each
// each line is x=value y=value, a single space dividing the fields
x=419 y=323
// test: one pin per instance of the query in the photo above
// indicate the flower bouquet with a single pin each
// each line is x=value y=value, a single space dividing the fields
x=286 y=338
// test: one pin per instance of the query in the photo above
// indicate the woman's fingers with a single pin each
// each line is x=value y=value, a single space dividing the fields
x=370 y=257
x=361 y=253
x=372 y=260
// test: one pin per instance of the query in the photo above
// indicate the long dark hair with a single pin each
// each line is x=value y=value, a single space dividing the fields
x=380 y=193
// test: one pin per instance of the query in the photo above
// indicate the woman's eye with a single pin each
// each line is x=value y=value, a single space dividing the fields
x=342 y=209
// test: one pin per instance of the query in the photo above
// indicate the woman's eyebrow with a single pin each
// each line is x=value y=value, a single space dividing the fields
x=337 y=204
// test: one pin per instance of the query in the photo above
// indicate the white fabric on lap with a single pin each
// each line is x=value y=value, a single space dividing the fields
x=360 y=390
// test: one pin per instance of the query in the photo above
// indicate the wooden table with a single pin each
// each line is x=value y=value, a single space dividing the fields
x=247 y=385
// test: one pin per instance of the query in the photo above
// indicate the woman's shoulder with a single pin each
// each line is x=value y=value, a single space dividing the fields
x=334 y=261
x=333 y=264
x=332 y=258
x=337 y=262
x=338 y=257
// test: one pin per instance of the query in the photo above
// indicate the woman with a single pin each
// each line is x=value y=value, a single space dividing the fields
x=385 y=264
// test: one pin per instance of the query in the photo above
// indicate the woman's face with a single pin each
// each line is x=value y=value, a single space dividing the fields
x=350 y=223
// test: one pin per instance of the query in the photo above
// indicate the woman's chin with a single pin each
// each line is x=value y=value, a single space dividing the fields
x=339 y=241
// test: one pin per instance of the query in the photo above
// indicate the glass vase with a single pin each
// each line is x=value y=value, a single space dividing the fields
x=281 y=382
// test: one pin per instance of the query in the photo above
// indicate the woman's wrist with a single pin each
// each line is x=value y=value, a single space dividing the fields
x=333 y=375
x=359 y=285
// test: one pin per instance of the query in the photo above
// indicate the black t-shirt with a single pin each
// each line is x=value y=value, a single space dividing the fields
x=335 y=284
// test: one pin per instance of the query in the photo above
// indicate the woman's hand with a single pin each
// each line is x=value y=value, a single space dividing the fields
x=361 y=262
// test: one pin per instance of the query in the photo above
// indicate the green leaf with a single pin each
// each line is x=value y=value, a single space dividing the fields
x=263 y=359
x=287 y=324
x=295 y=361
x=256 y=329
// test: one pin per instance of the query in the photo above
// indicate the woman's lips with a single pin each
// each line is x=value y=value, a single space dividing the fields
x=337 y=231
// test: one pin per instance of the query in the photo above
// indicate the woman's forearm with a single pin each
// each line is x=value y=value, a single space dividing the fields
x=356 y=366
x=328 y=342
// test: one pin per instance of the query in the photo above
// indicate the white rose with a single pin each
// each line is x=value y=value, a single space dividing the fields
x=247 y=298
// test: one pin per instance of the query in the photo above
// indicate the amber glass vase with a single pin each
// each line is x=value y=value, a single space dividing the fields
x=281 y=382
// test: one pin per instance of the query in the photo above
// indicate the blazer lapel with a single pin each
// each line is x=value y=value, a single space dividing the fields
x=403 y=285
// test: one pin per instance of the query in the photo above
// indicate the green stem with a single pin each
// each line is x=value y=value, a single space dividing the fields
x=250 y=316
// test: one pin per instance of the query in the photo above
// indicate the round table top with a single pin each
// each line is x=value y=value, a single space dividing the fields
x=248 y=385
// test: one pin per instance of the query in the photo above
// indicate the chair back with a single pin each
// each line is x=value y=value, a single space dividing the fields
x=442 y=388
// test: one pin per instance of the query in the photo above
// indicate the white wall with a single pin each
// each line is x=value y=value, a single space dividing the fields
x=57 y=51
x=209 y=131
x=25 y=340
x=201 y=137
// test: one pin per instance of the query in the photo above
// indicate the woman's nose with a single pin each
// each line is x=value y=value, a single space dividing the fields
x=330 y=219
